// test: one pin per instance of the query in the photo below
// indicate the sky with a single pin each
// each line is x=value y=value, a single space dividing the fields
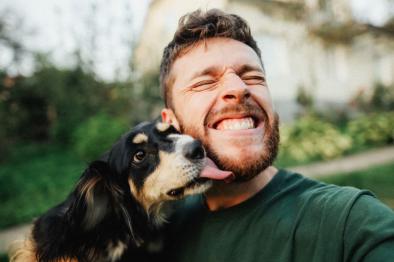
x=374 y=11
x=105 y=30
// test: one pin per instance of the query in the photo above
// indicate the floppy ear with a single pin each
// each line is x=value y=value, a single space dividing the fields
x=95 y=196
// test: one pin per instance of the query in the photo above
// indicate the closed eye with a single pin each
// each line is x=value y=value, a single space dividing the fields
x=253 y=80
x=202 y=85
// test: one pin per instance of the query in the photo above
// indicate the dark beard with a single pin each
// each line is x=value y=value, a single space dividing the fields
x=247 y=172
x=243 y=172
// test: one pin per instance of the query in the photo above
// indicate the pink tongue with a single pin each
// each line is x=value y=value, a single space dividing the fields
x=213 y=172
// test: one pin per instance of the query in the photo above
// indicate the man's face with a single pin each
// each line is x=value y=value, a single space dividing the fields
x=220 y=96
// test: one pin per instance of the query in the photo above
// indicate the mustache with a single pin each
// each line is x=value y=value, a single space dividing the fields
x=246 y=108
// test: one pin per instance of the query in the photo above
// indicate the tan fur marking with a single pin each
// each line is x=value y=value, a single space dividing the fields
x=133 y=189
x=173 y=172
x=96 y=204
x=87 y=189
x=162 y=127
x=24 y=251
x=140 y=138
x=115 y=251
x=163 y=178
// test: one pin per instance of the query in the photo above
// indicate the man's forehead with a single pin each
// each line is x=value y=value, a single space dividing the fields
x=214 y=54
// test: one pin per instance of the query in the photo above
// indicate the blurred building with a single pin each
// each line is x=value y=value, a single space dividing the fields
x=313 y=44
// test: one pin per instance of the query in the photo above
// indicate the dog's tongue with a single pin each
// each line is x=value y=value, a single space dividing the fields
x=211 y=171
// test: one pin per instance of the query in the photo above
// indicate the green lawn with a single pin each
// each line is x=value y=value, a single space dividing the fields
x=379 y=180
x=33 y=179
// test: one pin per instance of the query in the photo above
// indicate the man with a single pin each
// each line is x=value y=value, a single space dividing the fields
x=215 y=89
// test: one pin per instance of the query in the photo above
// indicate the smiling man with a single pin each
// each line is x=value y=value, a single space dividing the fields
x=215 y=89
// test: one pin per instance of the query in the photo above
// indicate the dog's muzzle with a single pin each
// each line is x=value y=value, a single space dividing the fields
x=194 y=151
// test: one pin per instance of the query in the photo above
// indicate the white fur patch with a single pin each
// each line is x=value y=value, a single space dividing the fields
x=181 y=141
x=115 y=250
x=162 y=127
x=140 y=138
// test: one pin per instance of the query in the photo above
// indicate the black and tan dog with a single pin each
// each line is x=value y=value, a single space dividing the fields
x=121 y=202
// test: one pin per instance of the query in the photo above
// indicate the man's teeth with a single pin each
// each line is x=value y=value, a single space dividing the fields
x=236 y=124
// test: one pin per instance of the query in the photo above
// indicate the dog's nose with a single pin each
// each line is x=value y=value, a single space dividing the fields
x=194 y=150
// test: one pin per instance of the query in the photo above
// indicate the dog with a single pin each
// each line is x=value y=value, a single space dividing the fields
x=122 y=201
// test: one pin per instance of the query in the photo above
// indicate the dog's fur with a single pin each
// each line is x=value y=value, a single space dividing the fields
x=120 y=202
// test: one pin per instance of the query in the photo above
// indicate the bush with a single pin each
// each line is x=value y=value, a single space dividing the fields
x=305 y=100
x=48 y=104
x=380 y=99
x=312 y=139
x=96 y=135
x=372 y=130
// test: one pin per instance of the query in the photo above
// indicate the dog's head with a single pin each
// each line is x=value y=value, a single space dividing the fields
x=160 y=163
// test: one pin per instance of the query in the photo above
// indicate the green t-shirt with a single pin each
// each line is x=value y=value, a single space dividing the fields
x=293 y=218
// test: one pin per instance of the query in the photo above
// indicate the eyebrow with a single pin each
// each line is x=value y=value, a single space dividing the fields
x=140 y=138
x=248 y=68
x=212 y=70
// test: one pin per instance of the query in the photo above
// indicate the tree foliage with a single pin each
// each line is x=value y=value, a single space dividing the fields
x=52 y=103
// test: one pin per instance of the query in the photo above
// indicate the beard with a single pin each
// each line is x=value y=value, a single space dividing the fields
x=247 y=169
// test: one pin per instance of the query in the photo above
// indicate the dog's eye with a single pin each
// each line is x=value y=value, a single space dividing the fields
x=139 y=156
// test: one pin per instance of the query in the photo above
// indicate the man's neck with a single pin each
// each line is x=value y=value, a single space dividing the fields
x=223 y=195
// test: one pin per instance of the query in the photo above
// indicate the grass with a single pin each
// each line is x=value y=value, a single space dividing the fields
x=379 y=180
x=33 y=179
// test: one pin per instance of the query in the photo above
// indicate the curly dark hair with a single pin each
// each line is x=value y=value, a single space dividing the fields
x=196 y=26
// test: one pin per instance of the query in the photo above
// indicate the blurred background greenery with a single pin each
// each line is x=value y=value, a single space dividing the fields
x=55 y=119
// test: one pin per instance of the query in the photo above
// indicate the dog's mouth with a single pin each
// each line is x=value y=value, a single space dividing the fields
x=196 y=182
x=209 y=172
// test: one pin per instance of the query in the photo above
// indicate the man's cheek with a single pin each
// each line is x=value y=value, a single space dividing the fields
x=263 y=99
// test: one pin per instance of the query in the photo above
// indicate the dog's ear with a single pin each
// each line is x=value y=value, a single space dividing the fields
x=73 y=228
x=117 y=158
x=95 y=196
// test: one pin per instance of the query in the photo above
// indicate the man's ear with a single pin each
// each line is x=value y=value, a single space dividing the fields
x=168 y=116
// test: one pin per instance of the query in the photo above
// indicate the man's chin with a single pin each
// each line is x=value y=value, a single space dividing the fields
x=244 y=167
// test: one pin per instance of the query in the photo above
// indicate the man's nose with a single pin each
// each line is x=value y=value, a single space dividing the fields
x=235 y=90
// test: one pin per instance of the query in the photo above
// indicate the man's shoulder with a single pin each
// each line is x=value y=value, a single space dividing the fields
x=314 y=186
x=319 y=195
